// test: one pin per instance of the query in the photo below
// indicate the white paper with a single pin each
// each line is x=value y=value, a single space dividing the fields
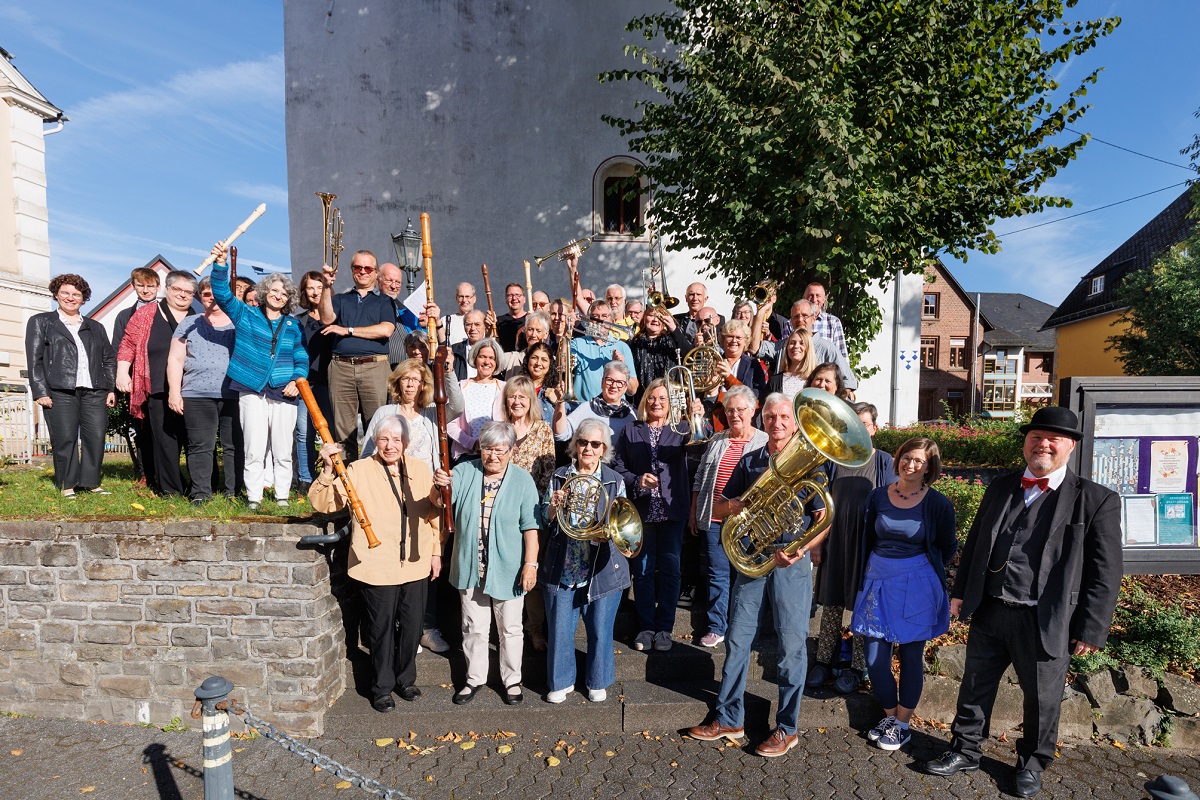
x=1139 y=519
x=1168 y=466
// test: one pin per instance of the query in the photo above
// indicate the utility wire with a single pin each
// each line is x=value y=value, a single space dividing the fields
x=1126 y=149
x=1091 y=210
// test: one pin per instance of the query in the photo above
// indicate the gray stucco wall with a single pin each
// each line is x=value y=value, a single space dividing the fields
x=485 y=115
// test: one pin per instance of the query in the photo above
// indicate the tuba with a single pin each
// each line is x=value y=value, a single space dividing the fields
x=829 y=430
x=580 y=518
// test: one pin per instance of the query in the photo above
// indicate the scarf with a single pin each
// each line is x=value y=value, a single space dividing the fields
x=603 y=409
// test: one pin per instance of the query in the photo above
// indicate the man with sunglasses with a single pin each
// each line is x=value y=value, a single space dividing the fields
x=362 y=319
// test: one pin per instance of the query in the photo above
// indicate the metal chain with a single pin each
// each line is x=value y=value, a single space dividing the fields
x=317 y=759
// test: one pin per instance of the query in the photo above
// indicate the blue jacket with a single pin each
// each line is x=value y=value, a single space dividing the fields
x=609 y=569
x=514 y=511
x=937 y=522
x=632 y=451
x=254 y=363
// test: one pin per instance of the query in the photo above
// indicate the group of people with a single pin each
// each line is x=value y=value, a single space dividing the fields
x=567 y=393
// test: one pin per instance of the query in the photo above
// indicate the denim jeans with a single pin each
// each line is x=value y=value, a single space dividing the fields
x=790 y=589
x=563 y=608
x=306 y=434
x=655 y=575
x=719 y=573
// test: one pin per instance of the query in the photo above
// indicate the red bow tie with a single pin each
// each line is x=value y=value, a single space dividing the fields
x=1041 y=483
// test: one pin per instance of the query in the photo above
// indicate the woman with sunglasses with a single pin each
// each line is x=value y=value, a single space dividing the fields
x=198 y=390
x=658 y=346
x=584 y=578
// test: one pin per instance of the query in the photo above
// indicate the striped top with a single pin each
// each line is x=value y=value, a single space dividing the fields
x=729 y=460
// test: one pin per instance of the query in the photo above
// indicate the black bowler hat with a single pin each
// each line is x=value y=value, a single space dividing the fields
x=1168 y=787
x=1055 y=419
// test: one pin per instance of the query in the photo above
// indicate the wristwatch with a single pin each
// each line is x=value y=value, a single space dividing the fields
x=349 y=331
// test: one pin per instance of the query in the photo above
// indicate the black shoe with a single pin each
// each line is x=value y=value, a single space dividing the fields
x=512 y=695
x=304 y=487
x=1028 y=783
x=950 y=763
x=408 y=693
x=818 y=675
x=465 y=695
x=383 y=704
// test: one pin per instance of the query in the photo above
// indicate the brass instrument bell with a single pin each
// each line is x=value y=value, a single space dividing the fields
x=580 y=517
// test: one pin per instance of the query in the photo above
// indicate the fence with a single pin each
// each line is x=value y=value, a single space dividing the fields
x=24 y=434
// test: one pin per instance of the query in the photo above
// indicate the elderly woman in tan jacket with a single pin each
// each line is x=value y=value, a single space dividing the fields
x=402 y=505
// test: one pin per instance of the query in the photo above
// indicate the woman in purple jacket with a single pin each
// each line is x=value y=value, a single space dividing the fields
x=650 y=456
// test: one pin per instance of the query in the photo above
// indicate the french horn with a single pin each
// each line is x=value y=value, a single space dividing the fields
x=581 y=517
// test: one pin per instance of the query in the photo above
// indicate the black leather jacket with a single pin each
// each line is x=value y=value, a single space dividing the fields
x=53 y=358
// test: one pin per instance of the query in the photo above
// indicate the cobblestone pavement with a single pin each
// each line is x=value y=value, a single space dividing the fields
x=51 y=760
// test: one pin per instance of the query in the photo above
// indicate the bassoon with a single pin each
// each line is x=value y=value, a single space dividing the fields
x=487 y=288
x=322 y=429
x=440 y=398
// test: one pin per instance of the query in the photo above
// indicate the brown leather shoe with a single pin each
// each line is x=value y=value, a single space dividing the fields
x=777 y=744
x=711 y=731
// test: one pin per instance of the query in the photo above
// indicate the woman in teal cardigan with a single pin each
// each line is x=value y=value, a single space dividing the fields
x=494 y=560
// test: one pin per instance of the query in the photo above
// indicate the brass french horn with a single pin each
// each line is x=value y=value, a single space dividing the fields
x=581 y=518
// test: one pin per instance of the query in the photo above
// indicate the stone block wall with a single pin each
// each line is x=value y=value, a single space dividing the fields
x=122 y=620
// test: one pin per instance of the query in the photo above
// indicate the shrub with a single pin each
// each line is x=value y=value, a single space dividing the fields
x=965 y=495
x=1148 y=633
x=979 y=443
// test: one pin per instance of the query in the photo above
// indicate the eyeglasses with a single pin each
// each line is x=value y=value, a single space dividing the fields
x=514 y=294
x=494 y=451
x=590 y=443
x=182 y=290
x=206 y=294
x=916 y=462
x=363 y=269
x=616 y=382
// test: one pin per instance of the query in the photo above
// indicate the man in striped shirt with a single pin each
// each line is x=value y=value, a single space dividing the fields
x=825 y=324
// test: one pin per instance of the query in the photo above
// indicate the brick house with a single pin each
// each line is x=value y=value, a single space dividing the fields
x=950 y=333
x=1017 y=355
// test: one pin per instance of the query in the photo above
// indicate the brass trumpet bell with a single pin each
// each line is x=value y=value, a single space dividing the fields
x=761 y=292
x=576 y=248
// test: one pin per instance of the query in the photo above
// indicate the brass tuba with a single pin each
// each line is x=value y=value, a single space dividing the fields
x=829 y=430
x=580 y=517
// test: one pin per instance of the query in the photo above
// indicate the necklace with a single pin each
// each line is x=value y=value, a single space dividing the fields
x=910 y=495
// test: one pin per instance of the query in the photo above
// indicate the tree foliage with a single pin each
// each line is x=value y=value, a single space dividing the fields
x=837 y=138
x=1162 y=318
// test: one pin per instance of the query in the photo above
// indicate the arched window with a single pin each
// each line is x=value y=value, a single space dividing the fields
x=614 y=212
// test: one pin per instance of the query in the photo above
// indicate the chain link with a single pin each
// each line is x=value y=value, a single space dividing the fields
x=317 y=759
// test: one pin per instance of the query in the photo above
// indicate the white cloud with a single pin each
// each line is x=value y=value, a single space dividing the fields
x=267 y=193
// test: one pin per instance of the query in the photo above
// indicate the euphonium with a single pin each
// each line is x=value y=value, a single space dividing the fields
x=681 y=391
x=829 y=430
x=580 y=517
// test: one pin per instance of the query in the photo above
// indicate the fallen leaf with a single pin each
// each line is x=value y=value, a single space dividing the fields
x=674 y=763
x=820 y=730
x=1118 y=745
x=384 y=742
x=238 y=749
x=506 y=735
x=16 y=752
x=538 y=754
x=1002 y=737
x=152 y=512
x=87 y=789
x=343 y=785
x=560 y=744
x=504 y=749
x=467 y=745
x=316 y=769
x=145 y=770
x=610 y=753
x=138 y=506
x=570 y=751
x=552 y=762
x=582 y=742
x=429 y=779
x=427 y=751
x=412 y=734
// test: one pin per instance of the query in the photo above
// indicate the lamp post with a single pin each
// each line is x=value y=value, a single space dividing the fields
x=408 y=254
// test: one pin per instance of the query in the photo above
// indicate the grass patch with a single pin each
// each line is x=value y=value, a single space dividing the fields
x=28 y=492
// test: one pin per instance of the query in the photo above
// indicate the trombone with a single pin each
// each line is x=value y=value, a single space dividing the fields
x=575 y=248
x=593 y=327
x=662 y=298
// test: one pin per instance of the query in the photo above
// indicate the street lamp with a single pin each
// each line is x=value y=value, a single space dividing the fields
x=408 y=254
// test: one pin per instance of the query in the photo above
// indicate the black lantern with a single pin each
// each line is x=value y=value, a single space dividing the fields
x=408 y=254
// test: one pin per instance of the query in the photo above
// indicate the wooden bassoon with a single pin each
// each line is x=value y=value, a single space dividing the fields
x=322 y=429
x=487 y=288
x=440 y=399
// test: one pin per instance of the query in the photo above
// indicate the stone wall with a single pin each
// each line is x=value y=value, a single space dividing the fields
x=122 y=620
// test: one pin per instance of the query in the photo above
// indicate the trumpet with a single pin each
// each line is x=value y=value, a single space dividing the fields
x=681 y=393
x=763 y=291
x=575 y=248
x=331 y=229
x=580 y=519
x=602 y=327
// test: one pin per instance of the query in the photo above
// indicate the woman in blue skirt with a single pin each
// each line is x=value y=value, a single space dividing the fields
x=908 y=538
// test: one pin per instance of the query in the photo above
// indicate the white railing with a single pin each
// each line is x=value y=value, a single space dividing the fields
x=24 y=434
x=1036 y=390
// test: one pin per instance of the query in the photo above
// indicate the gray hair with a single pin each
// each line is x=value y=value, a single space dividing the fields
x=205 y=283
x=497 y=434
x=619 y=367
x=867 y=408
x=742 y=391
x=264 y=285
x=736 y=326
x=602 y=427
x=177 y=275
x=473 y=353
x=615 y=286
x=774 y=398
x=539 y=316
x=391 y=425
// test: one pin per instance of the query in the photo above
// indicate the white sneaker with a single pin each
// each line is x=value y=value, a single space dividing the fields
x=557 y=696
x=432 y=641
x=597 y=695
x=643 y=640
x=282 y=503
x=662 y=641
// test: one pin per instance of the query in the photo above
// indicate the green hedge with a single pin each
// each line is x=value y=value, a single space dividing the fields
x=984 y=443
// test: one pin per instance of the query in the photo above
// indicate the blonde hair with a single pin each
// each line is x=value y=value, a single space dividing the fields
x=522 y=384
x=736 y=326
x=409 y=365
x=808 y=364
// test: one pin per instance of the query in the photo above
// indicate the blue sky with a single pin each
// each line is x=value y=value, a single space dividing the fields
x=177 y=133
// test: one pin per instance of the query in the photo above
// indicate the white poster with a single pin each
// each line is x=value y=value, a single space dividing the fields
x=1168 y=466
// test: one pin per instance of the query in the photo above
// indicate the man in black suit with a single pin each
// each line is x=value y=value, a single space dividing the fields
x=1038 y=576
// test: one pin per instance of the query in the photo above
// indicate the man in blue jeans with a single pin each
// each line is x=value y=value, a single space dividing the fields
x=790 y=589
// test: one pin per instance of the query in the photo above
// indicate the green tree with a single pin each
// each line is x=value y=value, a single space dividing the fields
x=1162 y=318
x=838 y=138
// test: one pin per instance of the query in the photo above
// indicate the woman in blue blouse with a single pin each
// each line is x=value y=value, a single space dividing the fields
x=581 y=578
x=908 y=539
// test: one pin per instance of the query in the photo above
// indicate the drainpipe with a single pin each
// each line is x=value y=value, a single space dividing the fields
x=975 y=356
x=59 y=120
x=893 y=415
